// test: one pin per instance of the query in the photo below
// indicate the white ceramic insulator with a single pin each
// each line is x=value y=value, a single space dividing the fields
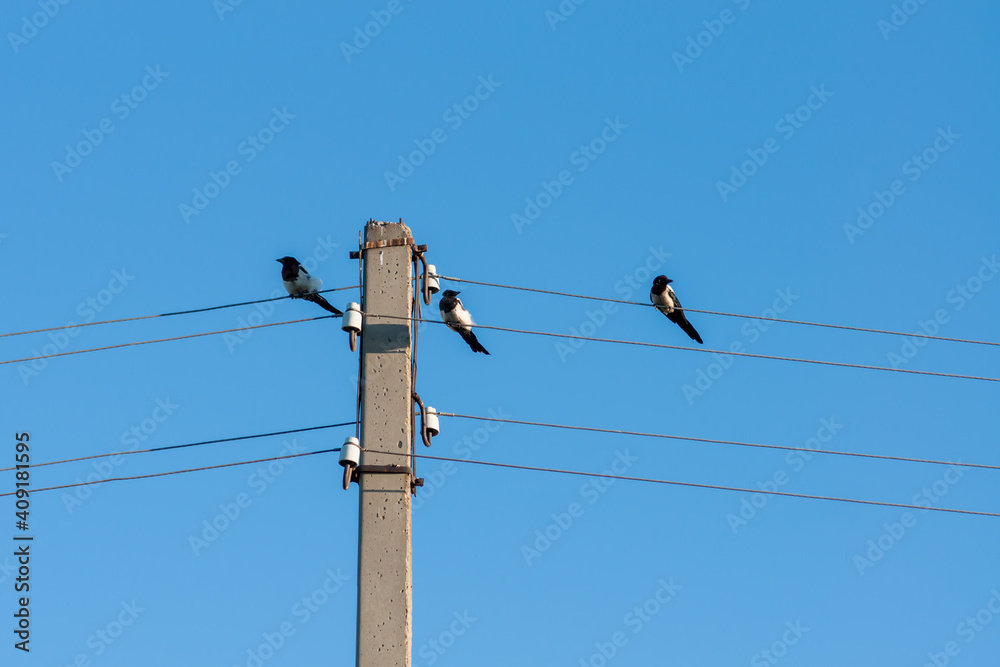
x=350 y=453
x=352 y=318
x=433 y=284
x=431 y=421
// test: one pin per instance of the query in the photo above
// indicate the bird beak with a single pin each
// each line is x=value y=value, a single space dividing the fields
x=457 y=292
x=277 y=260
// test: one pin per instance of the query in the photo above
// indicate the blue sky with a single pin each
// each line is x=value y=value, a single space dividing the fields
x=836 y=161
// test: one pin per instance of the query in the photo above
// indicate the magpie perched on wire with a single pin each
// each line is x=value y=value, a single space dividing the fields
x=301 y=285
x=454 y=314
x=663 y=297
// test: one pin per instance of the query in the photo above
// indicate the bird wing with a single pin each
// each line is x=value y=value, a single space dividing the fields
x=672 y=296
x=312 y=282
x=458 y=318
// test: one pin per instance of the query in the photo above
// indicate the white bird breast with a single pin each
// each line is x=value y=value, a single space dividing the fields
x=303 y=284
x=463 y=316
x=458 y=318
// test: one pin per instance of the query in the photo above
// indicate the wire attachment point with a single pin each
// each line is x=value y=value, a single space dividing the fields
x=352 y=323
x=429 y=277
x=350 y=457
x=429 y=425
x=432 y=281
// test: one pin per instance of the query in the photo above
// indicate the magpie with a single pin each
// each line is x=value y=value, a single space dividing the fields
x=454 y=314
x=663 y=297
x=301 y=285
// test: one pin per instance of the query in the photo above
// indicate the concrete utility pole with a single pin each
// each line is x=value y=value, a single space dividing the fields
x=385 y=584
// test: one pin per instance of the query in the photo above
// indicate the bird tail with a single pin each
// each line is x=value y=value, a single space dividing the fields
x=473 y=342
x=319 y=300
x=690 y=330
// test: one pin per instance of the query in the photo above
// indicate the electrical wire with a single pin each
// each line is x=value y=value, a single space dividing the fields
x=533 y=423
x=180 y=312
x=417 y=313
x=361 y=339
x=173 y=472
x=722 y=352
x=723 y=314
x=165 y=340
x=722 y=442
x=511 y=466
x=700 y=486
x=190 y=444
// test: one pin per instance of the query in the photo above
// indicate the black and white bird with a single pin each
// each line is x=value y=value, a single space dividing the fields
x=454 y=314
x=301 y=285
x=663 y=297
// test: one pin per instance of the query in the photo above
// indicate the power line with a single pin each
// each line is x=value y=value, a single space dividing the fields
x=512 y=466
x=173 y=472
x=721 y=442
x=701 y=486
x=526 y=423
x=165 y=340
x=710 y=351
x=180 y=312
x=190 y=444
x=716 y=312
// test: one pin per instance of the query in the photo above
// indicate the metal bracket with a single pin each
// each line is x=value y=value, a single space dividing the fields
x=389 y=243
x=424 y=435
x=419 y=254
x=389 y=470
x=386 y=243
x=381 y=470
x=384 y=470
